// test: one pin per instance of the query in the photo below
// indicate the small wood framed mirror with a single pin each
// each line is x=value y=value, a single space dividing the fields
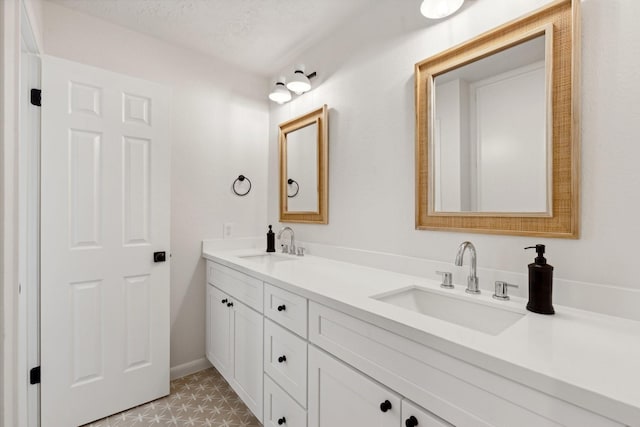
x=497 y=131
x=303 y=151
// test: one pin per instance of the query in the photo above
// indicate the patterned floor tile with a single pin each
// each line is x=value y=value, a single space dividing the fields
x=203 y=399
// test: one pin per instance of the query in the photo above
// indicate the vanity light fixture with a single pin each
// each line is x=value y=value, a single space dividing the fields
x=299 y=83
x=438 y=9
x=280 y=93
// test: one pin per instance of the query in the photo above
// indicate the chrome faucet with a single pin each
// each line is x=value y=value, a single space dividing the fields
x=472 y=279
x=292 y=245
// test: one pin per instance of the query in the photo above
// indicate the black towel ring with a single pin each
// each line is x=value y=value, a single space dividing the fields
x=293 y=181
x=241 y=178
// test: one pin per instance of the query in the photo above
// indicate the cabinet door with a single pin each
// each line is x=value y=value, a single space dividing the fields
x=415 y=416
x=247 y=356
x=218 y=330
x=341 y=396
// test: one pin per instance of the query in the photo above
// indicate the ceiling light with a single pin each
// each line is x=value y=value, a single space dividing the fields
x=299 y=83
x=438 y=9
x=280 y=94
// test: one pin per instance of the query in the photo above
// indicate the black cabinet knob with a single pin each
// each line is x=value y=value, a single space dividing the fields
x=230 y=304
x=282 y=307
x=282 y=359
x=385 y=406
x=411 y=421
x=281 y=421
x=224 y=301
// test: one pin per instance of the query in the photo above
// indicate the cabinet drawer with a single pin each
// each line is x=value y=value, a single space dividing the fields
x=279 y=407
x=285 y=308
x=285 y=360
x=459 y=392
x=415 y=415
x=240 y=286
x=341 y=396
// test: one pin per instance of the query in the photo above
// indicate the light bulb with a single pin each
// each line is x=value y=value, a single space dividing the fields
x=438 y=9
x=280 y=94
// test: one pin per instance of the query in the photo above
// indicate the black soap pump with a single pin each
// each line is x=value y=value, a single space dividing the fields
x=271 y=240
x=540 y=283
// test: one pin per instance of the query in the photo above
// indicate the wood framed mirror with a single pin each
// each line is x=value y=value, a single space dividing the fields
x=303 y=151
x=497 y=131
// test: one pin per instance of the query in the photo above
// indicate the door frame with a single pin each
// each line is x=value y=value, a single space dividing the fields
x=28 y=327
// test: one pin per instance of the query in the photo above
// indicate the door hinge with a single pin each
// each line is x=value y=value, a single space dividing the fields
x=36 y=97
x=34 y=375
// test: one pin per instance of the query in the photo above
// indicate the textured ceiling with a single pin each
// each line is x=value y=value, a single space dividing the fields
x=258 y=35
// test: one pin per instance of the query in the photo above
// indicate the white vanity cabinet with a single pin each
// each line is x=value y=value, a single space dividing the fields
x=298 y=363
x=235 y=333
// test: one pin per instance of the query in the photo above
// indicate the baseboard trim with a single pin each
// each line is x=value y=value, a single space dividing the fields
x=189 y=368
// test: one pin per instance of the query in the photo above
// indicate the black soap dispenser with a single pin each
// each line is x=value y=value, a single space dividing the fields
x=540 y=283
x=271 y=240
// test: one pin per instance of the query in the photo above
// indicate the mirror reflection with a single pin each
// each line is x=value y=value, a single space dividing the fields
x=491 y=133
x=302 y=169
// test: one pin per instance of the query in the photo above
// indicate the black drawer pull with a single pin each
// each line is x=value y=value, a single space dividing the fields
x=411 y=422
x=282 y=359
x=230 y=304
x=281 y=421
x=224 y=301
x=385 y=406
x=282 y=307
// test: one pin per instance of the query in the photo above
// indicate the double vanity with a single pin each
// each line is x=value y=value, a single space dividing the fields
x=309 y=341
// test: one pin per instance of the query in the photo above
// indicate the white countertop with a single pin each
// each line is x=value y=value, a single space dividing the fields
x=585 y=358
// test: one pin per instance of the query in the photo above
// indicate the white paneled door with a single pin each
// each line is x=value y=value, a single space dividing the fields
x=105 y=212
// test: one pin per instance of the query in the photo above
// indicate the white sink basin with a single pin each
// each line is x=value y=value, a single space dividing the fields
x=269 y=258
x=478 y=315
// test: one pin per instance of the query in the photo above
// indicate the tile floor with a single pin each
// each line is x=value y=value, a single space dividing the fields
x=201 y=399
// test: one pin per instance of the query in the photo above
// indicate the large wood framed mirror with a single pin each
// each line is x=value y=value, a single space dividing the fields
x=303 y=146
x=497 y=132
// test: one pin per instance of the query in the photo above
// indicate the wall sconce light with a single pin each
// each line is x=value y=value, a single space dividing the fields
x=280 y=93
x=298 y=84
x=438 y=9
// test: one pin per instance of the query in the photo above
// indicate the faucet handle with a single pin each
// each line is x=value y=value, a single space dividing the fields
x=447 y=279
x=501 y=290
x=300 y=251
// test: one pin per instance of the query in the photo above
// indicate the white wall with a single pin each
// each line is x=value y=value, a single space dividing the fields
x=219 y=122
x=366 y=72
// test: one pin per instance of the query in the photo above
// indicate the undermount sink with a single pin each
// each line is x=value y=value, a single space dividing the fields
x=269 y=258
x=460 y=310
